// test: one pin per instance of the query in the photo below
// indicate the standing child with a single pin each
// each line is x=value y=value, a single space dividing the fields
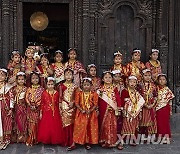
x=67 y=107
x=28 y=64
x=50 y=124
x=86 y=119
x=118 y=58
x=92 y=73
x=6 y=105
x=44 y=68
x=14 y=66
x=109 y=106
x=76 y=66
x=132 y=103
x=20 y=112
x=163 y=107
x=58 y=67
x=135 y=67
x=148 y=90
x=118 y=82
x=33 y=100
x=154 y=64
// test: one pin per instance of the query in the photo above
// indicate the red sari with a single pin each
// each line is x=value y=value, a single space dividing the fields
x=20 y=115
x=108 y=116
x=155 y=68
x=6 y=95
x=67 y=111
x=86 y=125
x=131 y=110
x=163 y=110
x=96 y=83
x=13 y=70
x=33 y=99
x=30 y=66
x=50 y=126
x=58 y=71
x=43 y=74
x=79 y=71
x=133 y=69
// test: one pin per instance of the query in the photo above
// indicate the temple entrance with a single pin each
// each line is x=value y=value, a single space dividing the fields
x=56 y=35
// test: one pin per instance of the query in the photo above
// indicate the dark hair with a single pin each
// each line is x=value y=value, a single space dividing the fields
x=70 y=49
x=104 y=73
x=68 y=69
x=161 y=76
x=21 y=75
x=46 y=80
x=133 y=51
x=86 y=80
x=37 y=74
x=88 y=69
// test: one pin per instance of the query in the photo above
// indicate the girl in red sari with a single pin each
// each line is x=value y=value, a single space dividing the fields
x=44 y=68
x=76 y=66
x=86 y=119
x=148 y=90
x=28 y=65
x=92 y=73
x=163 y=108
x=67 y=107
x=154 y=64
x=33 y=100
x=109 y=106
x=20 y=112
x=14 y=66
x=58 y=67
x=118 y=58
x=135 y=67
x=50 y=125
x=132 y=104
x=6 y=106
x=118 y=82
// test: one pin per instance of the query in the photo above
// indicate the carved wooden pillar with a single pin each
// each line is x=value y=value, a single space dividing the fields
x=5 y=31
x=85 y=32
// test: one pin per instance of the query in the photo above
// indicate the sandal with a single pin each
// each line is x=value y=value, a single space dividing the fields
x=71 y=148
x=120 y=147
x=88 y=147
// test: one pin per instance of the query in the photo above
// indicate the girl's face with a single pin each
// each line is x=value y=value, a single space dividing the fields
x=118 y=60
x=136 y=56
x=44 y=61
x=117 y=78
x=2 y=76
x=68 y=76
x=50 y=85
x=86 y=86
x=132 y=83
x=21 y=80
x=154 y=56
x=16 y=58
x=92 y=71
x=29 y=54
x=58 y=58
x=35 y=79
x=162 y=81
x=72 y=55
x=107 y=78
x=147 y=76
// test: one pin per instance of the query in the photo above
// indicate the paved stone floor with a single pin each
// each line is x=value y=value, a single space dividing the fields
x=173 y=148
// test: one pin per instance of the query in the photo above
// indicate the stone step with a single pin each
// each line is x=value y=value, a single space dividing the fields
x=175 y=123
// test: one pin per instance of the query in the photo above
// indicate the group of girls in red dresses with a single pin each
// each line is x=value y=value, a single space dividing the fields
x=64 y=104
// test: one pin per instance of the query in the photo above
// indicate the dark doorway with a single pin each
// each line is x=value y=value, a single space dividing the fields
x=56 y=35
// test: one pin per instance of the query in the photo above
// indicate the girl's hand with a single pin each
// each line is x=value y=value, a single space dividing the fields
x=9 y=113
x=83 y=111
x=40 y=116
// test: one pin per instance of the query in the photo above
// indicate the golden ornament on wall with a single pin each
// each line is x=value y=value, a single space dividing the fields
x=39 y=21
